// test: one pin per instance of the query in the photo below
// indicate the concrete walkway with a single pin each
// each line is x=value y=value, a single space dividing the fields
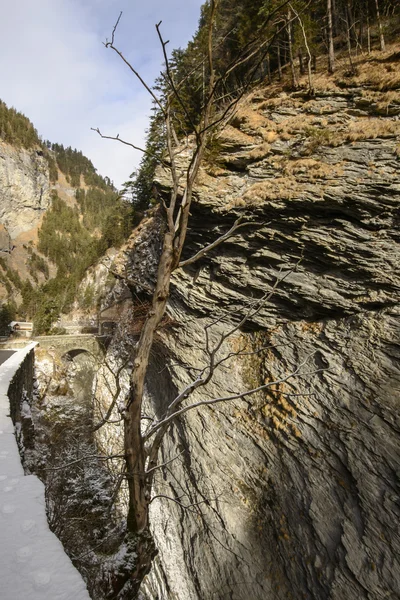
x=33 y=564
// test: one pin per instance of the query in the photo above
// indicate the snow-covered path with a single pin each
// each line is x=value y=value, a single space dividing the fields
x=33 y=564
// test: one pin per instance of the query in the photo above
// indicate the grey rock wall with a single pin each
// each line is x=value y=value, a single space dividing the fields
x=25 y=188
x=5 y=241
x=293 y=493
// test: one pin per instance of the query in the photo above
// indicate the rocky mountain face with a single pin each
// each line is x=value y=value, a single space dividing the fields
x=292 y=492
x=25 y=188
x=5 y=240
x=25 y=197
x=39 y=247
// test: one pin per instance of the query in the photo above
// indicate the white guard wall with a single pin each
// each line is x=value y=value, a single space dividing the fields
x=33 y=564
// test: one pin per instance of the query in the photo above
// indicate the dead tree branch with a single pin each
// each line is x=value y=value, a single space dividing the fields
x=237 y=225
x=116 y=138
x=231 y=397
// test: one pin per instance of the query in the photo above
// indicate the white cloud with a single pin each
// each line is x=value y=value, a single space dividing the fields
x=57 y=71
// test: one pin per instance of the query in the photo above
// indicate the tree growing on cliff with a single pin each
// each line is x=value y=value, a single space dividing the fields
x=331 y=49
x=176 y=212
x=142 y=445
x=142 y=449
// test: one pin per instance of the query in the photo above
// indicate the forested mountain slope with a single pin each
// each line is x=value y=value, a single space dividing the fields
x=58 y=216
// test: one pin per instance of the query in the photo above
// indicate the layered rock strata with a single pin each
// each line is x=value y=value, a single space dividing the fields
x=292 y=493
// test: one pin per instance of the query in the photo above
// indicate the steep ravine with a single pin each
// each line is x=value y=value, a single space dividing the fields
x=294 y=492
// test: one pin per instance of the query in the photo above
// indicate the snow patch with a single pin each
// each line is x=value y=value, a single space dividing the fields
x=33 y=563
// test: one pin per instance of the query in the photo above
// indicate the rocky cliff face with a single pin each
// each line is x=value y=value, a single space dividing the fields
x=5 y=240
x=25 y=188
x=292 y=492
x=25 y=196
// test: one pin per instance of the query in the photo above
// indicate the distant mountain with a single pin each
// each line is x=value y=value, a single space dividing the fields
x=57 y=217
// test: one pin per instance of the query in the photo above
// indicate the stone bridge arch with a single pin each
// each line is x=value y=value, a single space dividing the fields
x=71 y=354
x=73 y=345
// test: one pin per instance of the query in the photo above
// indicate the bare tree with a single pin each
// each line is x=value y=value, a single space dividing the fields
x=301 y=63
x=381 y=36
x=368 y=30
x=290 y=42
x=309 y=57
x=331 y=49
x=349 y=22
x=278 y=54
x=176 y=216
x=141 y=448
x=268 y=63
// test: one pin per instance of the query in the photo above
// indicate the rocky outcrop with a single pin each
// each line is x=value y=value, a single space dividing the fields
x=5 y=241
x=24 y=198
x=292 y=492
x=25 y=188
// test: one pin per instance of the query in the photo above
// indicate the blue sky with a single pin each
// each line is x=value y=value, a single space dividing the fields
x=55 y=69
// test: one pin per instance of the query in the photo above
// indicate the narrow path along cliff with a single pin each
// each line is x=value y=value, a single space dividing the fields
x=33 y=563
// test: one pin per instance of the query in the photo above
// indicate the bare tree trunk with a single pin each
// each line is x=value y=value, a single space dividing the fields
x=331 y=48
x=349 y=25
x=173 y=241
x=289 y=33
x=354 y=28
x=269 y=68
x=381 y=37
x=335 y=19
x=301 y=63
x=368 y=31
x=309 y=57
x=204 y=83
x=134 y=447
x=361 y=28
x=279 y=61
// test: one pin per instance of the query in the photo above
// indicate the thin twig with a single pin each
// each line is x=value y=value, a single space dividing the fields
x=165 y=463
x=238 y=396
x=116 y=138
x=88 y=457
x=237 y=225
x=128 y=64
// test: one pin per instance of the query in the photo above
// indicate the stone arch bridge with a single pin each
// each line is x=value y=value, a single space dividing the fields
x=72 y=345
